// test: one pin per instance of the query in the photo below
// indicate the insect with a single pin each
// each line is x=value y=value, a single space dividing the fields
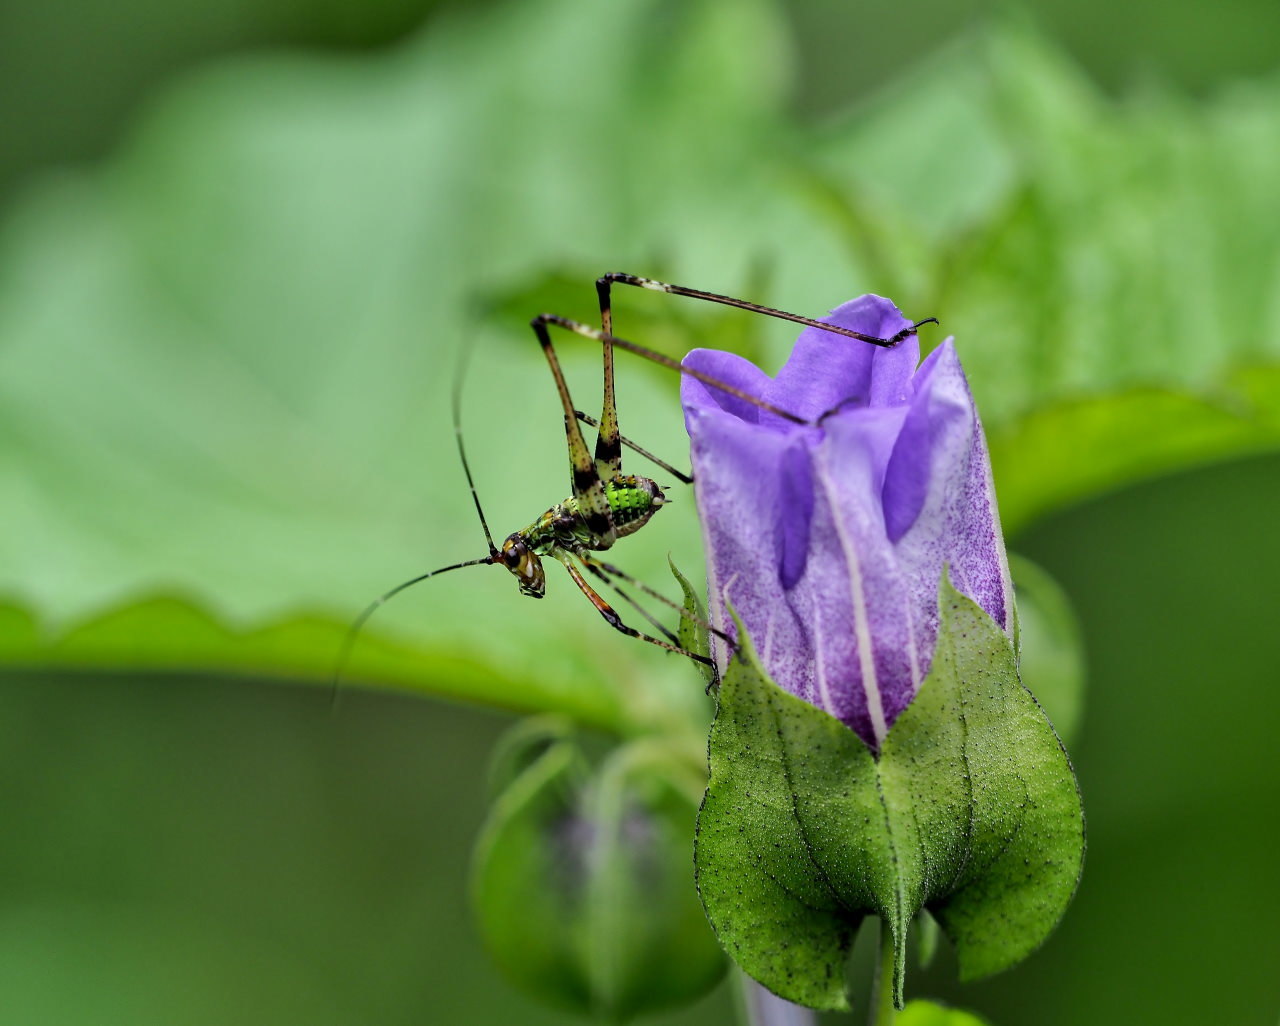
x=605 y=504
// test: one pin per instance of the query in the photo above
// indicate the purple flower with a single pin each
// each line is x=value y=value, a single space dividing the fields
x=830 y=540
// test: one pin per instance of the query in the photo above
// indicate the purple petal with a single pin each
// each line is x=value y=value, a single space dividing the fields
x=825 y=370
x=939 y=488
x=830 y=541
x=731 y=369
x=756 y=477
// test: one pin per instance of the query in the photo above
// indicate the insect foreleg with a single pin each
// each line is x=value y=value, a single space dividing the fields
x=595 y=568
x=604 y=282
x=615 y=621
x=600 y=566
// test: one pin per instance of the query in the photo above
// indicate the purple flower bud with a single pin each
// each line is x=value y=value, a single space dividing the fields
x=829 y=540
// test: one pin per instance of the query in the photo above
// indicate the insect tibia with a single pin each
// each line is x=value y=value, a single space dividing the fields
x=622 y=278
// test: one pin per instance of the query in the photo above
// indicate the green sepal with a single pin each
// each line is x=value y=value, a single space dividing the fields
x=581 y=881
x=693 y=627
x=971 y=809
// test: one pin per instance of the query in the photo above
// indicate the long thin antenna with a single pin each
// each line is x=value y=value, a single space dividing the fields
x=349 y=640
x=463 y=361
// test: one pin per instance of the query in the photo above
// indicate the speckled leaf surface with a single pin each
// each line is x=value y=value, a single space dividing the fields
x=971 y=810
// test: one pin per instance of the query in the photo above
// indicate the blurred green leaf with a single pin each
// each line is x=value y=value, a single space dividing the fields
x=1051 y=660
x=582 y=884
x=927 y=933
x=225 y=356
x=970 y=809
x=164 y=632
x=926 y=1013
x=1110 y=271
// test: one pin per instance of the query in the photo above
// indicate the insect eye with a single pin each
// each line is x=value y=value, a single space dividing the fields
x=512 y=553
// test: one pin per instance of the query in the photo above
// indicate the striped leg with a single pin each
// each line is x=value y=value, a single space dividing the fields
x=584 y=478
x=615 y=621
x=606 y=571
x=679 y=475
x=604 y=283
x=541 y=322
x=608 y=440
x=594 y=568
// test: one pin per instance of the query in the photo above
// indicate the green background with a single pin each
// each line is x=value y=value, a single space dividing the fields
x=200 y=849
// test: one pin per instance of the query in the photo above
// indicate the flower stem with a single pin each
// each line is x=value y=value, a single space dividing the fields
x=883 y=1012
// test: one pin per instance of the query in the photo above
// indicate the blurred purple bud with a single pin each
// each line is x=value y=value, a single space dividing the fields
x=829 y=539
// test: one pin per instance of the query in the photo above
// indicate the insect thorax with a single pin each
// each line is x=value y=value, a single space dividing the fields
x=632 y=501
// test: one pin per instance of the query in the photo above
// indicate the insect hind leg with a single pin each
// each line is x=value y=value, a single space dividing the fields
x=679 y=475
x=604 y=283
x=543 y=321
x=584 y=477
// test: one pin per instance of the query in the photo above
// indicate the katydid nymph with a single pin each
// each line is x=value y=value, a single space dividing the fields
x=605 y=504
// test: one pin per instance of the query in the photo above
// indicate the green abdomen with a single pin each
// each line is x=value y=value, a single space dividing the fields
x=632 y=501
x=631 y=507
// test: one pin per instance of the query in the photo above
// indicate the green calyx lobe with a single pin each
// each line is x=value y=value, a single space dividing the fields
x=970 y=810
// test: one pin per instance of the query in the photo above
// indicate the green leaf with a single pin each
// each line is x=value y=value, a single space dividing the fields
x=970 y=810
x=255 y=309
x=1095 y=445
x=1108 y=269
x=581 y=880
x=926 y=1013
x=158 y=634
x=226 y=353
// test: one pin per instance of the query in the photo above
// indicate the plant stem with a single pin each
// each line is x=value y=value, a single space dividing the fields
x=883 y=1012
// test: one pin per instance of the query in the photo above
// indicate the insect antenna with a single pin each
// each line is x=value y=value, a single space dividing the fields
x=353 y=632
x=463 y=361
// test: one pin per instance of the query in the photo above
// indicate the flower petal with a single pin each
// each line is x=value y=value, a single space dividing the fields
x=758 y=478
x=826 y=371
x=939 y=497
x=829 y=539
x=733 y=370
